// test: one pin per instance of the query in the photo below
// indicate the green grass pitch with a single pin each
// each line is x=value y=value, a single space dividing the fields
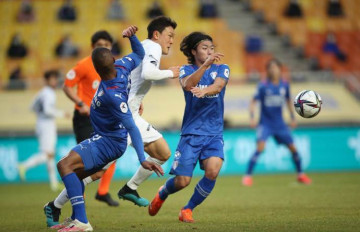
x=274 y=203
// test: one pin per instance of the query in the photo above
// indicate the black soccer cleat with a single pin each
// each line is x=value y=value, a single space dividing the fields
x=129 y=194
x=107 y=199
x=52 y=214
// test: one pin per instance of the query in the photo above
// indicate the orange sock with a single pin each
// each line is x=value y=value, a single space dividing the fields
x=106 y=180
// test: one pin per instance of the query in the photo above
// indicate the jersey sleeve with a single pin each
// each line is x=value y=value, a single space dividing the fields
x=287 y=91
x=258 y=92
x=224 y=72
x=73 y=76
x=128 y=62
x=185 y=71
x=153 y=55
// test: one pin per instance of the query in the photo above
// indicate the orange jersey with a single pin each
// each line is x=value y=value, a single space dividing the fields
x=84 y=76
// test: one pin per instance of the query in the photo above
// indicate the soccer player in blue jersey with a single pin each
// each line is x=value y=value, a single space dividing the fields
x=272 y=94
x=203 y=83
x=112 y=121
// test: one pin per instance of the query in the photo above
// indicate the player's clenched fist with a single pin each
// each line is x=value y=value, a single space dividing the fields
x=175 y=70
x=130 y=31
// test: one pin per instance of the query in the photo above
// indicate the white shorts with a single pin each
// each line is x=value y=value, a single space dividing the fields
x=148 y=132
x=46 y=134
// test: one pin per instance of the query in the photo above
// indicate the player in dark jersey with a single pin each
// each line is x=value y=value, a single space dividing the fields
x=203 y=83
x=272 y=94
x=112 y=121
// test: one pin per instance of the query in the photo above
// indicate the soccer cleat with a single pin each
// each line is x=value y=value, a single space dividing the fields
x=77 y=225
x=185 y=215
x=22 y=172
x=52 y=214
x=107 y=199
x=156 y=204
x=64 y=224
x=302 y=178
x=126 y=193
x=247 y=181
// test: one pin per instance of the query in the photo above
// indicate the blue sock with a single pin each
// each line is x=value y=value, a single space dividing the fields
x=252 y=163
x=82 y=190
x=202 y=190
x=297 y=162
x=74 y=190
x=169 y=188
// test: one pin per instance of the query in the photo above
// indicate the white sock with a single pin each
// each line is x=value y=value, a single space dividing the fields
x=87 y=180
x=142 y=174
x=52 y=173
x=35 y=160
x=61 y=200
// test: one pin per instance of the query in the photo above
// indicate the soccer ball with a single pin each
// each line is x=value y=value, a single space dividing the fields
x=308 y=103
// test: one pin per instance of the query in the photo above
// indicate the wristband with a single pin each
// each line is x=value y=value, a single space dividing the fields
x=80 y=104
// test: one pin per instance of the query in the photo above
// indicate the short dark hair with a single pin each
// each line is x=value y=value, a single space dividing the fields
x=50 y=73
x=102 y=60
x=159 y=24
x=101 y=35
x=190 y=42
x=273 y=60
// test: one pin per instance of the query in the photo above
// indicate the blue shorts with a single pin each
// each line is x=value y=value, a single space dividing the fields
x=194 y=148
x=282 y=135
x=98 y=151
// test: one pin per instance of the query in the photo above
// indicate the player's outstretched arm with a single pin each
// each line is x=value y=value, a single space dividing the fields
x=289 y=104
x=192 y=80
x=252 y=113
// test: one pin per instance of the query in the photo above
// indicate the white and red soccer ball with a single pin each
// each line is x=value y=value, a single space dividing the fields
x=308 y=103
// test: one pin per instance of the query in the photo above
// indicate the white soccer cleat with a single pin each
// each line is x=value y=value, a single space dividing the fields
x=62 y=225
x=76 y=225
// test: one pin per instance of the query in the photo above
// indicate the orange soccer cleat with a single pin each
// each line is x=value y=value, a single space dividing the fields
x=247 y=181
x=156 y=204
x=302 y=178
x=185 y=215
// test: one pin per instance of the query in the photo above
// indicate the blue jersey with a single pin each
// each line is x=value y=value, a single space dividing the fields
x=204 y=116
x=272 y=98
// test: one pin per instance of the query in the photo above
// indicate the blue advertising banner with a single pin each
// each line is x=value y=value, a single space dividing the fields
x=321 y=149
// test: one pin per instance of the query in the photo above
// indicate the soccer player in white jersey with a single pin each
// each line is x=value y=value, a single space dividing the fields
x=160 y=38
x=44 y=107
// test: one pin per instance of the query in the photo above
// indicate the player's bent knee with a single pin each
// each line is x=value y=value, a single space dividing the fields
x=164 y=157
x=212 y=175
x=182 y=182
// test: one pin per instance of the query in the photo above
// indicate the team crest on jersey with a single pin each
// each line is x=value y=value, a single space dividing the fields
x=226 y=73
x=123 y=107
x=95 y=84
x=213 y=75
x=182 y=72
x=71 y=75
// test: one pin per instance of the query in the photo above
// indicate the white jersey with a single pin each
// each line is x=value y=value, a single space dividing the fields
x=44 y=105
x=147 y=72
